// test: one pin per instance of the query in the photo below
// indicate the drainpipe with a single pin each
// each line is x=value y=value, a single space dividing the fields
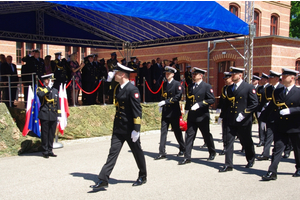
x=208 y=52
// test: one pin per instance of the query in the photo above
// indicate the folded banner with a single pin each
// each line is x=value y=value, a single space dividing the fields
x=28 y=111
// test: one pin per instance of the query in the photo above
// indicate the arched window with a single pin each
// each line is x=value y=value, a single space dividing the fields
x=297 y=64
x=256 y=22
x=234 y=9
x=274 y=25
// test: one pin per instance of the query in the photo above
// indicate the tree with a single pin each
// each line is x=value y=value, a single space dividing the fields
x=295 y=19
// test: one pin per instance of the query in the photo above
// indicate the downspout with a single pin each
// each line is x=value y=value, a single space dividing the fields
x=208 y=53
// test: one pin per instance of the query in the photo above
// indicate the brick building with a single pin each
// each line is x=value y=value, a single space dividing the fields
x=273 y=49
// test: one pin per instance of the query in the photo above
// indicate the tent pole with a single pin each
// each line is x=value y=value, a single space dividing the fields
x=208 y=49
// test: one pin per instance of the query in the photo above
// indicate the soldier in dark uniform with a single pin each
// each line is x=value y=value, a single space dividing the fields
x=38 y=64
x=188 y=75
x=27 y=68
x=262 y=103
x=199 y=97
x=59 y=71
x=223 y=109
x=241 y=103
x=157 y=75
x=127 y=125
x=177 y=67
x=255 y=83
x=132 y=63
x=111 y=63
x=268 y=128
x=102 y=74
x=171 y=95
x=89 y=81
x=285 y=107
x=49 y=113
x=123 y=61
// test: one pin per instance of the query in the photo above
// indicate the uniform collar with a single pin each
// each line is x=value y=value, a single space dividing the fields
x=170 y=81
x=266 y=84
x=123 y=85
x=275 y=86
x=198 y=82
x=290 y=87
x=238 y=83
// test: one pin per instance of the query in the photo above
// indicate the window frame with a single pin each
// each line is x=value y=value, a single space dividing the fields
x=237 y=7
x=20 y=52
x=276 y=25
x=257 y=21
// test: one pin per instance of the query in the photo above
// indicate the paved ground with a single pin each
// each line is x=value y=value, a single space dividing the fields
x=69 y=175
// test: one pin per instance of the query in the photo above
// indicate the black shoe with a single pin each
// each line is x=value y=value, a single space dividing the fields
x=250 y=164
x=297 y=173
x=160 y=156
x=286 y=155
x=243 y=151
x=225 y=169
x=52 y=154
x=45 y=155
x=260 y=144
x=222 y=153
x=185 y=161
x=203 y=146
x=181 y=153
x=262 y=157
x=269 y=176
x=211 y=157
x=100 y=184
x=140 y=181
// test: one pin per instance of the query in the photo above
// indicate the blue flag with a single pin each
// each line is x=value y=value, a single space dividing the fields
x=34 y=122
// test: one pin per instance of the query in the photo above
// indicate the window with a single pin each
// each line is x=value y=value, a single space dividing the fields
x=29 y=47
x=75 y=49
x=234 y=9
x=67 y=51
x=274 y=25
x=19 y=53
x=256 y=22
x=83 y=53
x=297 y=65
x=40 y=47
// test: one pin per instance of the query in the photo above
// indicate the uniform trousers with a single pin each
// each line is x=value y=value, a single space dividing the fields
x=261 y=132
x=191 y=135
x=280 y=141
x=48 y=129
x=165 y=122
x=225 y=129
x=117 y=142
x=268 y=139
x=244 y=134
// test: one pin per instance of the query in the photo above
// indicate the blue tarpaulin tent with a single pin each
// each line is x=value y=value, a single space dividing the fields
x=109 y=24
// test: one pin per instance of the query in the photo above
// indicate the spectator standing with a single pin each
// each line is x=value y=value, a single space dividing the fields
x=76 y=72
x=48 y=68
x=149 y=78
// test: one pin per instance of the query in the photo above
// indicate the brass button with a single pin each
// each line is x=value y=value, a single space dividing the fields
x=235 y=112
x=286 y=118
x=240 y=97
x=230 y=106
x=274 y=109
x=291 y=103
x=171 y=93
x=236 y=107
x=237 y=102
x=277 y=102
x=122 y=101
x=280 y=117
x=120 y=117
x=231 y=111
x=198 y=96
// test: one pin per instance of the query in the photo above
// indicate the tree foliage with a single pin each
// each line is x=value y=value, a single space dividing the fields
x=295 y=19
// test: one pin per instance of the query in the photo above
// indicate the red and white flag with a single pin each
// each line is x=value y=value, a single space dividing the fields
x=64 y=107
x=30 y=98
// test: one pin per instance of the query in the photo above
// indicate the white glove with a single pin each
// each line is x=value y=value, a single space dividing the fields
x=110 y=76
x=186 y=111
x=50 y=83
x=59 y=119
x=218 y=111
x=240 y=117
x=258 y=114
x=285 y=111
x=195 y=106
x=135 y=135
x=161 y=103
x=159 y=109
x=220 y=120
x=263 y=126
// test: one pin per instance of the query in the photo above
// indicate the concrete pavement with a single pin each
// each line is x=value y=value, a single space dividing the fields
x=69 y=175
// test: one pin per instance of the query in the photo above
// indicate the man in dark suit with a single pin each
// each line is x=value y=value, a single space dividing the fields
x=199 y=97
x=268 y=128
x=171 y=95
x=242 y=102
x=177 y=67
x=59 y=70
x=111 y=64
x=49 y=113
x=127 y=124
x=157 y=71
x=285 y=107
x=8 y=68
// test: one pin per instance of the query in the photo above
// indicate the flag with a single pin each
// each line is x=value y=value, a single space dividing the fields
x=64 y=108
x=28 y=111
x=34 y=122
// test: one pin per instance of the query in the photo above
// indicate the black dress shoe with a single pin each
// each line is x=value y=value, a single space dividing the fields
x=297 y=174
x=225 y=169
x=160 y=156
x=262 y=157
x=181 y=153
x=100 y=184
x=140 y=181
x=250 y=164
x=203 y=146
x=222 y=153
x=52 y=154
x=185 y=161
x=211 y=157
x=286 y=155
x=269 y=176
x=45 y=155
x=260 y=144
x=243 y=150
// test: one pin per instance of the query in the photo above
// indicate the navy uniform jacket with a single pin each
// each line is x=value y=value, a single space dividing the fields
x=177 y=74
x=50 y=107
x=243 y=100
x=223 y=104
x=38 y=66
x=171 y=93
x=203 y=95
x=261 y=97
x=128 y=109
x=287 y=123
x=89 y=73
x=188 y=77
x=59 y=71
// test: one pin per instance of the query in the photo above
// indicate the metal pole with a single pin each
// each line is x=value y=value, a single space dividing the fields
x=103 y=94
x=144 y=90
x=208 y=50
x=32 y=80
x=36 y=81
x=9 y=91
x=73 y=79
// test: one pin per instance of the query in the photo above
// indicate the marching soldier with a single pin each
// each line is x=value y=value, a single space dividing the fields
x=171 y=95
x=59 y=71
x=89 y=81
x=49 y=113
x=127 y=125
x=242 y=102
x=268 y=130
x=285 y=107
x=199 y=97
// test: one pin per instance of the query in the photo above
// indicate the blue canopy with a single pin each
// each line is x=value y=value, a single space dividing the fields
x=109 y=24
